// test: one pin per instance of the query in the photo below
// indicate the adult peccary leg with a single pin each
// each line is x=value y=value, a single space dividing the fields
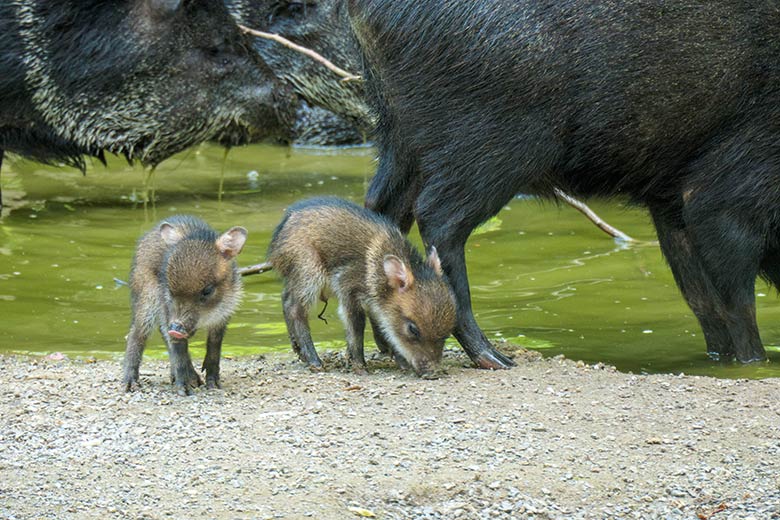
x=467 y=331
x=392 y=196
x=697 y=289
x=213 y=352
x=394 y=192
x=720 y=291
x=448 y=231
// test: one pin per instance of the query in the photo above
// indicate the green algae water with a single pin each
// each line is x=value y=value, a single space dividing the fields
x=541 y=275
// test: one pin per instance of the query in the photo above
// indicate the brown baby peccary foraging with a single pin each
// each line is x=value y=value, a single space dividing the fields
x=183 y=278
x=331 y=246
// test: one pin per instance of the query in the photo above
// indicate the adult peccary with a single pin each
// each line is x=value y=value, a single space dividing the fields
x=184 y=278
x=143 y=78
x=674 y=105
x=324 y=27
x=329 y=246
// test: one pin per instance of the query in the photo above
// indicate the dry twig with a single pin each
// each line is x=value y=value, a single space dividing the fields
x=255 y=269
x=304 y=50
x=585 y=210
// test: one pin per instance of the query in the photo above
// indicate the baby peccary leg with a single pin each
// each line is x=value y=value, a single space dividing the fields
x=296 y=315
x=355 y=322
x=185 y=377
x=379 y=338
x=211 y=361
x=136 y=340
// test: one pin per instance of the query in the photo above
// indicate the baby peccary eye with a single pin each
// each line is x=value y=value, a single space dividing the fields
x=207 y=292
x=412 y=330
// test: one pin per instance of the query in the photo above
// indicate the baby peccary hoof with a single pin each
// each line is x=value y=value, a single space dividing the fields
x=131 y=383
x=186 y=381
x=212 y=382
x=359 y=369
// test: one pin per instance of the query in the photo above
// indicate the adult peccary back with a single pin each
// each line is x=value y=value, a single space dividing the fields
x=328 y=246
x=183 y=278
x=143 y=78
x=675 y=105
x=324 y=27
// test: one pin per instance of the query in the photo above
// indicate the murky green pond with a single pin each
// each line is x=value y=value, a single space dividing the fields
x=541 y=275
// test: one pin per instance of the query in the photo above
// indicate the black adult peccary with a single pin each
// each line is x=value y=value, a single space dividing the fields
x=674 y=105
x=143 y=78
x=330 y=246
x=184 y=277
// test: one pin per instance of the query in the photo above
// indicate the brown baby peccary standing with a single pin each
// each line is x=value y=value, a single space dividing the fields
x=184 y=278
x=329 y=246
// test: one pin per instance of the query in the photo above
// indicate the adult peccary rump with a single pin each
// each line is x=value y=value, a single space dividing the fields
x=143 y=78
x=183 y=278
x=324 y=27
x=675 y=105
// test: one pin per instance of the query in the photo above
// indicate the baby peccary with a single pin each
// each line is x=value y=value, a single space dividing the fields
x=330 y=246
x=183 y=278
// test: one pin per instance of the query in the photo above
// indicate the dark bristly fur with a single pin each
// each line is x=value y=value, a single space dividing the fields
x=140 y=78
x=329 y=245
x=675 y=105
x=184 y=277
x=322 y=26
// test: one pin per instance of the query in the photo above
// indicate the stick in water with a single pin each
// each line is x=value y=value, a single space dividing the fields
x=585 y=210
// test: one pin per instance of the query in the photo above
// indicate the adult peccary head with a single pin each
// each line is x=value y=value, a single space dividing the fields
x=322 y=26
x=144 y=78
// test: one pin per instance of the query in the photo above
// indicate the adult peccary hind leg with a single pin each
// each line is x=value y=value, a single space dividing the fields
x=727 y=315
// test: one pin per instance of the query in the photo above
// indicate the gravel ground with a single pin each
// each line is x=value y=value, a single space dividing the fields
x=549 y=439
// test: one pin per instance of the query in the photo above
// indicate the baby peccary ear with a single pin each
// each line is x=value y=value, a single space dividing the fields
x=231 y=242
x=169 y=234
x=434 y=261
x=398 y=276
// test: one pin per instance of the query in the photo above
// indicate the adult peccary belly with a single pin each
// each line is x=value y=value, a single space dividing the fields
x=672 y=104
x=142 y=78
